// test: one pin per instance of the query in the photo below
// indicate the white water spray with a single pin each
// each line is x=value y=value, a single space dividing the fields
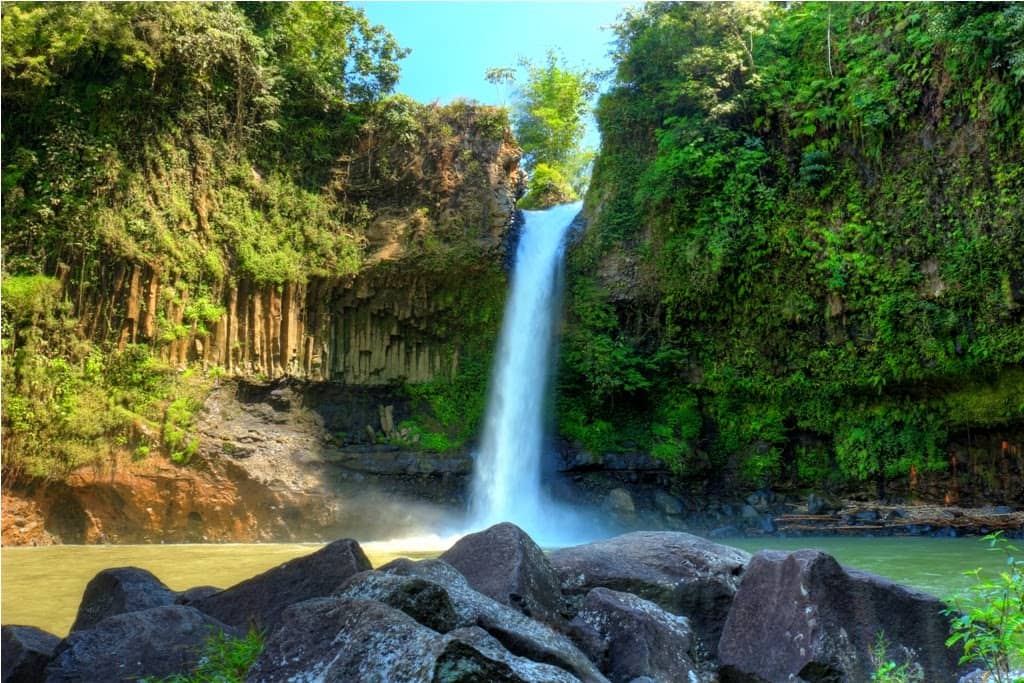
x=507 y=478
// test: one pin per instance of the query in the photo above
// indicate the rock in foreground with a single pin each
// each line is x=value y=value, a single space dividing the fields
x=802 y=615
x=646 y=607
x=261 y=599
x=636 y=638
x=26 y=650
x=505 y=564
x=337 y=640
x=118 y=591
x=682 y=573
x=154 y=642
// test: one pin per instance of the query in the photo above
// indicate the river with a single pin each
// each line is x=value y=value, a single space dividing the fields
x=43 y=586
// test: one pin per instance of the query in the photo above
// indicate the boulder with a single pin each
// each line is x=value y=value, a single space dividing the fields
x=637 y=638
x=516 y=632
x=425 y=601
x=263 y=598
x=154 y=642
x=190 y=595
x=802 y=615
x=25 y=652
x=667 y=504
x=682 y=573
x=504 y=563
x=620 y=502
x=117 y=591
x=527 y=669
x=339 y=640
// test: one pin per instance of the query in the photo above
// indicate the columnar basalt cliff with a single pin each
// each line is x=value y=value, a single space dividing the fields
x=439 y=224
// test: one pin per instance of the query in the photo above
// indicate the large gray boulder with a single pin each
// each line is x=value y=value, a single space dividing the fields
x=682 y=573
x=334 y=640
x=25 y=652
x=527 y=669
x=516 y=632
x=801 y=616
x=425 y=601
x=261 y=599
x=154 y=642
x=117 y=591
x=636 y=638
x=505 y=564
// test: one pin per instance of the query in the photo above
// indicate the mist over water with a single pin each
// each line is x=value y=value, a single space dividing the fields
x=507 y=484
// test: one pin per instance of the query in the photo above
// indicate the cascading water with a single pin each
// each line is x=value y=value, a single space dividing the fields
x=507 y=477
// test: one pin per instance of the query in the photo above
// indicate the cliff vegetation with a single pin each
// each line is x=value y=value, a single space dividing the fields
x=804 y=257
x=195 y=189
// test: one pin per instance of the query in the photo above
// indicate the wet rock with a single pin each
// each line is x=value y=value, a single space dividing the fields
x=528 y=670
x=120 y=590
x=505 y=564
x=637 y=638
x=668 y=504
x=802 y=616
x=338 y=640
x=519 y=634
x=816 y=505
x=25 y=651
x=195 y=594
x=425 y=601
x=866 y=516
x=620 y=502
x=681 y=573
x=263 y=598
x=154 y=642
x=760 y=500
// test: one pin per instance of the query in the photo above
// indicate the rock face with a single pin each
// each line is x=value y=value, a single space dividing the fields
x=371 y=328
x=504 y=563
x=519 y=634
x=117 y=591
x=382 y=644
x=636 y=638
x=803 y=615
x=425 y=601
x=25 y=652
x=155 y=642
x=683 y=574
x=263 y=598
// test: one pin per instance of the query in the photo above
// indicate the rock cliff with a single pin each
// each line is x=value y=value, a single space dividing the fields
x=439 y=223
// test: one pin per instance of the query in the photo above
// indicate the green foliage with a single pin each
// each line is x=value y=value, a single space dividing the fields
x=547 y=187
x=887 y=670
x=416 y=436
x=143 y=131
x=549 y=114
x=28 y=297
x=449 y=409
x=224 y=659
x=988 y=617
x=819 y=246
x=676 y=429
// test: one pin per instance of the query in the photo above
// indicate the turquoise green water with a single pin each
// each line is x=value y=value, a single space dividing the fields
x=43 y=586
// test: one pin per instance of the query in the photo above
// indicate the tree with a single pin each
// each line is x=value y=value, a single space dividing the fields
x=549 y=115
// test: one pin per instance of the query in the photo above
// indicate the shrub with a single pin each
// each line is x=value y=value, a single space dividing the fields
x=223 y=660
x=988 y=617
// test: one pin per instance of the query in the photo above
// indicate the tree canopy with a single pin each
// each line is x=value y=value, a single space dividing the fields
x=550 y=109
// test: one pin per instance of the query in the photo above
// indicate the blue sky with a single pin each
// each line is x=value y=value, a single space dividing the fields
x=453 y=43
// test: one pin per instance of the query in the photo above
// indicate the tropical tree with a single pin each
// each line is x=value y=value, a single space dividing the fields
x=550 y=111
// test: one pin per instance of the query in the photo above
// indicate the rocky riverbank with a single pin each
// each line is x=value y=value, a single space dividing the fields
x=650 y=606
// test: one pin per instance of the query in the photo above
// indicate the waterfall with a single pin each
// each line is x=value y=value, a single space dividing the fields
x=507 y=476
